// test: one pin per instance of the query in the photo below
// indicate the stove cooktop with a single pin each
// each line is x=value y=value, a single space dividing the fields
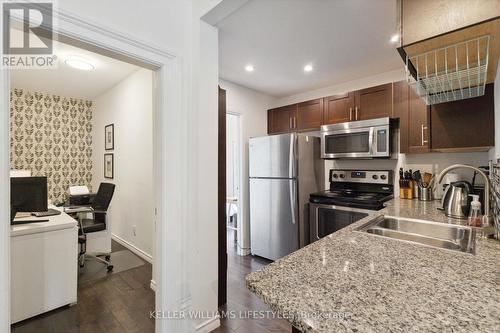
x=350 y=198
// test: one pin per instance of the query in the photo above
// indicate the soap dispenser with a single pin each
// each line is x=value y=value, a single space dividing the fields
x=475 y=216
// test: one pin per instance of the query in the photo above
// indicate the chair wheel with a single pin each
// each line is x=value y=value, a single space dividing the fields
x=110 y=268
x=108 y=257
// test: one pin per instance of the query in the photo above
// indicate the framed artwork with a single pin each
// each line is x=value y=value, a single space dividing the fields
x=109 y=166
x=109 y=137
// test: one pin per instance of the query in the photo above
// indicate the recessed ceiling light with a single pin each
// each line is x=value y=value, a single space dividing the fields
x=249 y=68
x=395 y=38
x=79 y=63
x=308 y=68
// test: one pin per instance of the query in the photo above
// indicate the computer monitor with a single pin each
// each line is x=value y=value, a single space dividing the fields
x=28 y=194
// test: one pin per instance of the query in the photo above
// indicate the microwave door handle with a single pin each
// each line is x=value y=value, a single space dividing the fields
x=371 y=141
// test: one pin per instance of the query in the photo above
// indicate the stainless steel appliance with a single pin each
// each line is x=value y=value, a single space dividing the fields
x=283 y=171
x=357 y=139
x=353 y=195
x=455 y=202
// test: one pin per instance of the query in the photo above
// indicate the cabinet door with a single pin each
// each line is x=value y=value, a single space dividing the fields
x=418 y=124
x=339 y=108
x=282 y=119
x=310 y=114
x=374 y=102
x=466 y=124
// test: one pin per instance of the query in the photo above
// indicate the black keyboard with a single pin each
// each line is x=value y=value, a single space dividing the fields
x=27 y=221
x=50 y=212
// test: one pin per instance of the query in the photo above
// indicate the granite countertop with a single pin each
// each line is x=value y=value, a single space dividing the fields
x=351 y=281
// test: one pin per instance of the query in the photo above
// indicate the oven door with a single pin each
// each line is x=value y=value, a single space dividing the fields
x=327 y=219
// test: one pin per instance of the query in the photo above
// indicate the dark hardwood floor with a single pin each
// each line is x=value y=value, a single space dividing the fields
x=240 y=299
x=121 y=303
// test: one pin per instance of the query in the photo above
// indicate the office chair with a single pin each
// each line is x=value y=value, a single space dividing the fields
x=98 y=222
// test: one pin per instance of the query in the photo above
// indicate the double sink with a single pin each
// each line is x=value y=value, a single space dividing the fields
x=439 y=235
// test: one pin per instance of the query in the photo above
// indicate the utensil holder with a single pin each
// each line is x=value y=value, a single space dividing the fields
x=425 y=193
x=416 y=190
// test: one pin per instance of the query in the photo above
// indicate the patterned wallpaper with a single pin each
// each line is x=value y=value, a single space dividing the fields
x=52 y=136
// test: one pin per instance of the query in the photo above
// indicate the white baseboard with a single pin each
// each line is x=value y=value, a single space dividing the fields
x=152 y=285
x=208 y=325
x=133 y=248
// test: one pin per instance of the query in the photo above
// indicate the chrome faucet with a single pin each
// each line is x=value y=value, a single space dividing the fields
x=487 y=216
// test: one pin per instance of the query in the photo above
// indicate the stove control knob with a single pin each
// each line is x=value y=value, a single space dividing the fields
x=335 y=175
x=342 y=175
x=384 y=177
x=375 y=177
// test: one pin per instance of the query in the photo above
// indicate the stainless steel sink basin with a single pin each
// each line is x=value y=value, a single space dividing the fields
x=440 y=235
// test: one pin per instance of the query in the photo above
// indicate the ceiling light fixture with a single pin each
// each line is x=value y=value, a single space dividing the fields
x=308 y=68
x=79 y=63
x=249 y=68
x=395 y=38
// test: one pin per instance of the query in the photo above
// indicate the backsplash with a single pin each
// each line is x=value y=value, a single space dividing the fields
x=52 y=136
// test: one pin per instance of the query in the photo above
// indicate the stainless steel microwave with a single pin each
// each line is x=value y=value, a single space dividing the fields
x=357 y=139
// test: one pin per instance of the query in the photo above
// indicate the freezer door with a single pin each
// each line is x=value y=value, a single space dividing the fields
x=273 y=156
x=274 y=224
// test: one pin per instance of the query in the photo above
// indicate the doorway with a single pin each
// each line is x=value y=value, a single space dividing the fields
x=233 y=178
x=167 y=97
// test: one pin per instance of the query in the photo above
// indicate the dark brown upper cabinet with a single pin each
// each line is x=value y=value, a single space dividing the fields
x=339 y=108
x=373 y=102
x=282 y=119
x=310 y=115
x=464 y=125
x=418 y=129
x=400 y=111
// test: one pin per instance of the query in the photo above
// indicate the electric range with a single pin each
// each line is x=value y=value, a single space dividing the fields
x=353 y=195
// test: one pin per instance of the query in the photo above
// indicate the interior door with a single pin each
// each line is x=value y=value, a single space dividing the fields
x=274 y=224
x=339 y=108
x=222 y=235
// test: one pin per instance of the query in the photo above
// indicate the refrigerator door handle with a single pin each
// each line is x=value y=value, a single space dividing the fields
x=291 y=157
x=293 y=200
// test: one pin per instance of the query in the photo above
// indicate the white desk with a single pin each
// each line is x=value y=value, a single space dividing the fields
x=44 y=266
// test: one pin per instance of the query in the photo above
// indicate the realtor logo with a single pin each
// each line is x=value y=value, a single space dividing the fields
x=28 y=35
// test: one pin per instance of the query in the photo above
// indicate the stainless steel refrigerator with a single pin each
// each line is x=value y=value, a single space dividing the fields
x=283 y=170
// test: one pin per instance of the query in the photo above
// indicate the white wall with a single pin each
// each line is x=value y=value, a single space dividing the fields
x=252 y=106
x=129 y=106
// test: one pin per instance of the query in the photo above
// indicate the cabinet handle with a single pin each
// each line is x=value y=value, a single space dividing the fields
x=356 y=112
x=350 y=113
x=294 y=122
x=423 y=129
x=290 y=121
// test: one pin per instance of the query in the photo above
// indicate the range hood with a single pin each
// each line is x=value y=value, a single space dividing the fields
x=454 y=65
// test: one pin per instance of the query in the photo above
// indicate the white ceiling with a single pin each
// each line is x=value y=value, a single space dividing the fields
x=70 y=82
x=343 y=39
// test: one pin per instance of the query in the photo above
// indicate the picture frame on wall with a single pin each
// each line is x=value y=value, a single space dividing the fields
x=109 y=137
x=109 y=166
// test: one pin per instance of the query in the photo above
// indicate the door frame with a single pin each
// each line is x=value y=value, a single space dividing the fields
x=171 y=121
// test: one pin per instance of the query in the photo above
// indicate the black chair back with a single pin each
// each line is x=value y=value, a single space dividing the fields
x=102 y=200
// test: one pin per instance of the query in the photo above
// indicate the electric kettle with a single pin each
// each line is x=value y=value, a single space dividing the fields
x=456 y=201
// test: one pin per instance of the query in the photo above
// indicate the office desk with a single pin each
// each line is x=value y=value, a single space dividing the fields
x=43 y=266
